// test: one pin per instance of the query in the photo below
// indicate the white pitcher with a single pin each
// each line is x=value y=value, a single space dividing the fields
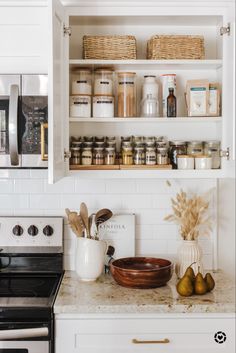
x=89 y=258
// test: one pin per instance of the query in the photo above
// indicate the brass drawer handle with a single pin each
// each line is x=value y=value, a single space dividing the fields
x=44 y=141
x=135 y=341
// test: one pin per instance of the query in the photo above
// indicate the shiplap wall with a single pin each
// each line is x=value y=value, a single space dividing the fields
x=25 y=192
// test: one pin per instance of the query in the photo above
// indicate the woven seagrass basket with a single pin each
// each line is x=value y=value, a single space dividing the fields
x=109 y=47
x=175 y=47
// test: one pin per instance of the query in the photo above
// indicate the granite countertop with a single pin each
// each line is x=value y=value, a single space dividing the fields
x=106 y=296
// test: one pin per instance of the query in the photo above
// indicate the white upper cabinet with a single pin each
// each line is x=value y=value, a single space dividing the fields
x=23 y=38
x=144 y=19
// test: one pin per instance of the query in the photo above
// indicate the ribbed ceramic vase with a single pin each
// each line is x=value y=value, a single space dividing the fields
x=189 y=252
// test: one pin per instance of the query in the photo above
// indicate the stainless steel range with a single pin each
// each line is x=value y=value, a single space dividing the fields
x=31 y=270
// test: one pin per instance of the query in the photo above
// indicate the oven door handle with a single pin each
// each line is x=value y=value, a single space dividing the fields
x=13 y=125
x=23 y=333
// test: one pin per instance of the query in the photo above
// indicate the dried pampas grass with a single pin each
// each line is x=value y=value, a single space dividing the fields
x=191 y=214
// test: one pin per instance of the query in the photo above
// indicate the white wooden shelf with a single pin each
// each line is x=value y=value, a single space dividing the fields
x=153 y=64
x=149 y=174
x=147 y=120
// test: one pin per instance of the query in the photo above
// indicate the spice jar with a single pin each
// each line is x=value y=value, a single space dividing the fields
x=80 y=106
x=81 y=82
x=212 y=149
x=103 y=106
x=75 y=156
x=98 y=156
x=127 y=155
x=110 y=155
x=126 y=94
x=103 y=82
x=86 y=156
x=176 y=148
x=88 y=138
x=139 y=156
x=194 y=147
x=76 y=144
x=162 y=155
x=151 y=156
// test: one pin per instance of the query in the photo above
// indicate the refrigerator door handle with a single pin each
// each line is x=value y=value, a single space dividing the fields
x=13 y=125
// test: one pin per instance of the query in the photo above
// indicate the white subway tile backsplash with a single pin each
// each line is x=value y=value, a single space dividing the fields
x=24 y=192
x=121 y=186
x=29 y=186
x=43 y=201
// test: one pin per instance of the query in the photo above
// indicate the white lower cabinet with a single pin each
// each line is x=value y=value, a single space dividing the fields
x=176 y=334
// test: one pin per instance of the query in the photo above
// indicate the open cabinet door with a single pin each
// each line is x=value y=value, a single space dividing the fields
x=228 y=97
x=57 y=128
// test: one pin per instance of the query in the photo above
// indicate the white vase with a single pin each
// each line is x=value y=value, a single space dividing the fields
x=189 y=253
x=89 y=258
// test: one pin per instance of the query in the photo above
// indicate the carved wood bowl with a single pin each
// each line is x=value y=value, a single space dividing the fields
x=141 y=272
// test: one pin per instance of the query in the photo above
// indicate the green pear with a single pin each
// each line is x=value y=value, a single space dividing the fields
x=200 y=286
x=189 y=272
x=209 y=280
x=185 y=286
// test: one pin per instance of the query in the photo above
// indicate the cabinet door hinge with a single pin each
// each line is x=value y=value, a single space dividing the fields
x=67 y=30
x=225 y=30
x=225 y=154
x=67 y=155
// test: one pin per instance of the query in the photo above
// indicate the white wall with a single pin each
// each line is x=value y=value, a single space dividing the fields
x=24 y=192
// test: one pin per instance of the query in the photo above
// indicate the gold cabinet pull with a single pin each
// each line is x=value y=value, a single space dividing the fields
x=44 y=156
x=135 y=341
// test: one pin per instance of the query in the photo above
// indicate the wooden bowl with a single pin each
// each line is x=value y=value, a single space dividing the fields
x=141 y=272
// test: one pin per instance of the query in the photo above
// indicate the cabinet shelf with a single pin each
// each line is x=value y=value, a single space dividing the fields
x=153 y=64
x=147 y=120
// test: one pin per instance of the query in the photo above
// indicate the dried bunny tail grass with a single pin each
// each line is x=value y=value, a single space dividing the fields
x=190 y=214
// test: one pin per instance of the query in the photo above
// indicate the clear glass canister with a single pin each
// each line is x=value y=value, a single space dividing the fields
x=75 y=156
x=176 y=148
x=139 y=156
x=212 y=149
x=103 y=106
x=149 y=107
x=80 y=106
x=151 y=156
x=126 y=91
x=194 y=148
x=98 y=156
x=110 y=156
x=150 y=86
x=103 y=82
x=127 y=155
x=87 y=156
x=162 y=155
x=81 y=82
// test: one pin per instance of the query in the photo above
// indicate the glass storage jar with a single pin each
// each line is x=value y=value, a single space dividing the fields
x=176 y=148
x=80 y=106
x=81 y=82
x=103 y=82
x=75 y=156
x=139 y=156
x=194 y=148
x=150 y=86
x=162 y=155
x=103 y=106
x=151 y=156
x=149 y=107
x=126 y=90
x=127 y=155
x=87 y=156
x=212 y=149
x=98 y=156
x=110 y=156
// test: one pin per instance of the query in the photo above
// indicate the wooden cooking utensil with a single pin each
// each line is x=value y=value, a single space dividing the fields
x=85 y=218
x=75 y=222
x=102 y=216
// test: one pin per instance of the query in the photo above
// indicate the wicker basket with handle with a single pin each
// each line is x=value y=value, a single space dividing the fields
x=109 y=47
x=175 y=47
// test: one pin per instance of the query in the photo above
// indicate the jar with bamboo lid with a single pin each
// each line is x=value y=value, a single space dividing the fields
x=126 y=90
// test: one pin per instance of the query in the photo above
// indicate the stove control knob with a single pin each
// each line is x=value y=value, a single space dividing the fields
x=17 y=230
x=33 y=230
x=48 y=231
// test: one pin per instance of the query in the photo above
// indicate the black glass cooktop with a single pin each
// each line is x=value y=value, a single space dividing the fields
x=25 y=285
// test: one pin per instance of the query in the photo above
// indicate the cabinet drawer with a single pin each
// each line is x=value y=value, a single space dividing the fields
x=145 y=335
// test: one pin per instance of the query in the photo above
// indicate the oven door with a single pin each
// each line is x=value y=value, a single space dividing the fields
x=21 y=338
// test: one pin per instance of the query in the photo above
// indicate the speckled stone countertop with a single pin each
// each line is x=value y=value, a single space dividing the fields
x=105 y=296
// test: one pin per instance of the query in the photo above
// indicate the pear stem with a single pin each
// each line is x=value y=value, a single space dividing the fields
x=193 y=263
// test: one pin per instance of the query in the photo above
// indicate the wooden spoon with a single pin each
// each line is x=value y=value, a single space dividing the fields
x=85 y=218
x=102 y=216
x=75 y=222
